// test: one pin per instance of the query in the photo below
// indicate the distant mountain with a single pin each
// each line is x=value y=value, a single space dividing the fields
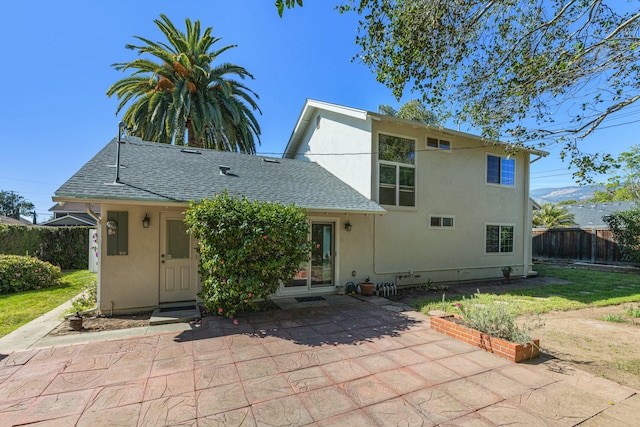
x=562 y=194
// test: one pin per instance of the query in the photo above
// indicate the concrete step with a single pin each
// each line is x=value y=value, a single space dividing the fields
x=176 y=312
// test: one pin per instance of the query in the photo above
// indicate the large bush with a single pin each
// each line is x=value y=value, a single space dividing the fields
x=66 y=247
x=247 y=249
x=23 y=273
x=625 y=227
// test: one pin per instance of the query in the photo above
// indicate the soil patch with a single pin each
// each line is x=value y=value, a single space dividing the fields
x=103 y=323
x=582 y=340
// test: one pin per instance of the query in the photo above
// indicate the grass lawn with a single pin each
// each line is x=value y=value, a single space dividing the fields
x=20 y=308
x=586 y=289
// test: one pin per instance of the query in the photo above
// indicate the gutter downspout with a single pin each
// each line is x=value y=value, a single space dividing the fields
x=526 y=221
x=527 y=218
x=91 y=213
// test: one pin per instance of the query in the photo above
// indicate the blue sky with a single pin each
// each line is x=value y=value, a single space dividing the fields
x=56 y=69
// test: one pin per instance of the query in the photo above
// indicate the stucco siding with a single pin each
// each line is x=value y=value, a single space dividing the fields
x=450 y=183
x=342 y=145
x=131 y=282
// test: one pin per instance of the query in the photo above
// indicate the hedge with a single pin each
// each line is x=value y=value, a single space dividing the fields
x=66 y=247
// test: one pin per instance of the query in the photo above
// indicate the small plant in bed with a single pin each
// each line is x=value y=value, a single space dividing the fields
x=430 y=286
x=633 y=311
x=615 y=318
x=496 y=318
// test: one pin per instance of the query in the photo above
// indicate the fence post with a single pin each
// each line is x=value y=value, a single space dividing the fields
x=594 y=245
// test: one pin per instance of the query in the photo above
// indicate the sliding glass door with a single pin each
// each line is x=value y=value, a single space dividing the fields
x=319 y=271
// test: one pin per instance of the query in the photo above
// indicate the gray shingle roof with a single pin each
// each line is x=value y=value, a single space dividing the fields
x=153 y=172
x=590 y=214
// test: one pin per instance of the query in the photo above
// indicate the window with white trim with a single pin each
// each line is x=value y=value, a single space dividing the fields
x=501 y=170
x=440 y=221
x=396 y=171
x=438 y=143
x=499 y=238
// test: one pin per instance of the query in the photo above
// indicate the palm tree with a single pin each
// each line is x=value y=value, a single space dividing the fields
x=553 y=216
x=411 y=110
x=183 y=92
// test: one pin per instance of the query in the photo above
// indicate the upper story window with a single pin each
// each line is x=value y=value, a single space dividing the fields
x=397 y=171
x=501 y=170
x=438 y=143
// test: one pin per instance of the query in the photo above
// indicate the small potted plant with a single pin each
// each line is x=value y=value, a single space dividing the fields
x=367 y=288
x=506 y=273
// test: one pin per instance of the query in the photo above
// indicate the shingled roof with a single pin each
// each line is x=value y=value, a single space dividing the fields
x=591 y=214
x=153 y=172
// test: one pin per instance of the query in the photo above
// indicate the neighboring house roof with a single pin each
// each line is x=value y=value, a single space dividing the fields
x=73 y=207
x=534 y=205
x=590 y=215
x=13 y=221
x=162 y=173
x=71 y=220
x=311 y=106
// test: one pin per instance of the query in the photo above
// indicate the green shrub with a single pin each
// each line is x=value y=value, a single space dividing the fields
x=495 y=318
x=625 y=227
x=23 y=273
x=246 y=250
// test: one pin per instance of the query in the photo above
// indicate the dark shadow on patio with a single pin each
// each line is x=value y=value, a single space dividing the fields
x=352 y=322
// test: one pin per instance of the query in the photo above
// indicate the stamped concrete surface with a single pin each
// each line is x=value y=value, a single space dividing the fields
x=346 y=363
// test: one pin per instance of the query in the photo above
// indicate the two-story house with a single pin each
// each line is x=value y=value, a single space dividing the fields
x=457 y=205
x=387 y=199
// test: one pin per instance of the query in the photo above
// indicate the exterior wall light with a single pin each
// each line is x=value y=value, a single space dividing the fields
x=112 y=226
x=347 y=226
x=146 y=221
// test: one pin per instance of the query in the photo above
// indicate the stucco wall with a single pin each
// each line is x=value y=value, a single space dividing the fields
x=355 y=248
x=342 y=145
x=452 y=183
x=448 y=183
x=129 y=283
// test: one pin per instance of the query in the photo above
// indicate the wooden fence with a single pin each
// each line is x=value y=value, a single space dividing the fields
x=579 y=244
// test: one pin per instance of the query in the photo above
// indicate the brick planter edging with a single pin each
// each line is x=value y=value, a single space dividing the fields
x=505 y=349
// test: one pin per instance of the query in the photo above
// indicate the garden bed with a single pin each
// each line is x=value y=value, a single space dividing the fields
x=453 y=326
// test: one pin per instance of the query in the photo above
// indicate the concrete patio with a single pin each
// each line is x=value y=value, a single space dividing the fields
x=345 y=362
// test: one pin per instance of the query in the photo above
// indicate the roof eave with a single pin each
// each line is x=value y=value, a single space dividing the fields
x=457 y=133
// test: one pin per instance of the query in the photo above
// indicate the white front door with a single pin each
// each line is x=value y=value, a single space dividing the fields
x=178 y=260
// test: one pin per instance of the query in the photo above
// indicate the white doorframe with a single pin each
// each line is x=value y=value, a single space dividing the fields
x=308 y=287
x=178 y=278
